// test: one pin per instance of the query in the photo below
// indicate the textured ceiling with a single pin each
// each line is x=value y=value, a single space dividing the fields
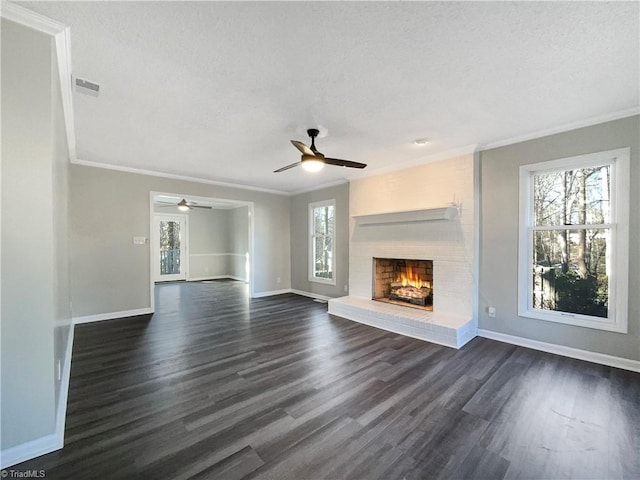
x=216 y=90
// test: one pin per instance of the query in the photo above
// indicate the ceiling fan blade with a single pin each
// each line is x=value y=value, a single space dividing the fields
x=199 y=206
x=344 y=163
x=302 y=147
x=287 y=167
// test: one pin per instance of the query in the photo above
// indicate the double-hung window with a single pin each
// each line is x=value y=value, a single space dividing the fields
x=574 y=236
x=322 y=242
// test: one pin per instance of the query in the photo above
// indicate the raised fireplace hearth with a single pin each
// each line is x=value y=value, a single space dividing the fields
x=405 y=282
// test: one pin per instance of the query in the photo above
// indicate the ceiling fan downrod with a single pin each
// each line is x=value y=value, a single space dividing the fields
x=313 y=133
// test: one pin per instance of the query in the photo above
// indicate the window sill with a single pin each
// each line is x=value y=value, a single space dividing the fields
x=576 y=320
x=322 y=281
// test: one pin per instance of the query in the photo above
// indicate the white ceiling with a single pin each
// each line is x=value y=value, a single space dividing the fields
x=216 y=90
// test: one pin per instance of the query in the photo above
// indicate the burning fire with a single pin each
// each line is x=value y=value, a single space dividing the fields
x=411 y=279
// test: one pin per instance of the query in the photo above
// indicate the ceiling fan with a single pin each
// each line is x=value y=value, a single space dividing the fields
x=183 y=205
x=312 y=160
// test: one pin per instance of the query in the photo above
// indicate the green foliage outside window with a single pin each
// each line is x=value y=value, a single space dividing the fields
x=571 y=236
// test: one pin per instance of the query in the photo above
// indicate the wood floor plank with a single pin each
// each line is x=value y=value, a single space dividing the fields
x=218 y=385
x=234 y=467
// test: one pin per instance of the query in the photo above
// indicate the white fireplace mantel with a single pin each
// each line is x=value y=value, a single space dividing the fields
x=443 y=212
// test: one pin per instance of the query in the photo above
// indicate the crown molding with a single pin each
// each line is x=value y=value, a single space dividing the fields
x=445 y=155
x=609 y=117
x=30 y=19
x=320 y=187
x=152 y=173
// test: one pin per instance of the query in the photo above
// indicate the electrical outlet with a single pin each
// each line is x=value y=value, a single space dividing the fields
x=278 y=279
x=491 y=311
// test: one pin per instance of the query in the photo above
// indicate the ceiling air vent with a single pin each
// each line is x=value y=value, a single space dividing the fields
x=87 y=87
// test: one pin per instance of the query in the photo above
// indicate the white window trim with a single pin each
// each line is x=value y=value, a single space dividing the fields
x=312 y=278
x=619 y=227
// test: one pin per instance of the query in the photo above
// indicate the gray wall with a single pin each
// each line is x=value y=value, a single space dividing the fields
x=300 y=241
x=208 y=241
x=111 y=274
x=499 y=171
x=35 y=293
x=238 y=240
x=208 y=231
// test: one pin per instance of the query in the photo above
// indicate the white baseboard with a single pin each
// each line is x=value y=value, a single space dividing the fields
x=290 y=290
x=28 y=450
x=209 y=277
x=271 y=293
x=239 y=279
x=61 y=414
x=601 y=358
x=216 y=277
x=54 y=441
x=310 y=294
x=111 y=315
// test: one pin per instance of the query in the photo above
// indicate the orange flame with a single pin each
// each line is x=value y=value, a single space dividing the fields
x=409 y=278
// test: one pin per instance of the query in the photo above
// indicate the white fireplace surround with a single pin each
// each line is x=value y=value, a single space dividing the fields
x=450 y=323
x=438 y=233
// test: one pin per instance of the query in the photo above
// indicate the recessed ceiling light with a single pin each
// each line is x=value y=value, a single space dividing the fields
x=421 y=141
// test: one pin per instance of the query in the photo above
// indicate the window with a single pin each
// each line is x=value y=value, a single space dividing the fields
x=321 y=241
x=574 y=229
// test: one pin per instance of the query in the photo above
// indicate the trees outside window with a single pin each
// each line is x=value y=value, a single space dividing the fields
x=169 y=247
x=321 y=239
x=573 y=240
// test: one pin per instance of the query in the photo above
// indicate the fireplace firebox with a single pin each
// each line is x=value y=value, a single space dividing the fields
x=404 y=282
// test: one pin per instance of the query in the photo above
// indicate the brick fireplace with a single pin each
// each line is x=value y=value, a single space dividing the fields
x=400 y=215
x=404 y=282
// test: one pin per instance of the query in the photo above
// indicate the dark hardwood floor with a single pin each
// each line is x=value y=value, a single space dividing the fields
x=219 y=386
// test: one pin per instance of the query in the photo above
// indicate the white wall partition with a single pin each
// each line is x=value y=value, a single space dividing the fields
x=36 y=316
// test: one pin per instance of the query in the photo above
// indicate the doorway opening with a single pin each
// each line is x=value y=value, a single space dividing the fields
x=196 y=238
x=171 y=247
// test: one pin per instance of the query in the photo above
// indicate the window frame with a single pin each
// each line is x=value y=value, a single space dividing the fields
x=618 y=226
x=312 y=236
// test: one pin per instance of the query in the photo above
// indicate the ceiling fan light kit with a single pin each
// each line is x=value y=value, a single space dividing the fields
x=312 y=160
x=311 y=163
